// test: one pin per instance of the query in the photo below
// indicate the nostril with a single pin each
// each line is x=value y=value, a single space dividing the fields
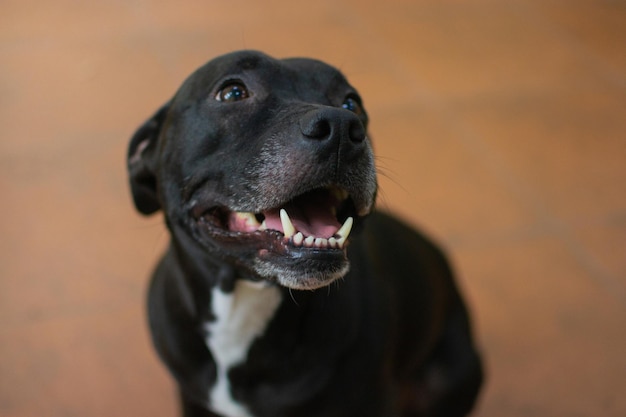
x=357 y=131
x=316 y=128
x=329 y=123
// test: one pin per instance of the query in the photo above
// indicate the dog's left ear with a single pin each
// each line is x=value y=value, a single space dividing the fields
x=141 y=159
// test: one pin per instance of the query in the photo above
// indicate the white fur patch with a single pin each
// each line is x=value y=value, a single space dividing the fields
x=240 y=317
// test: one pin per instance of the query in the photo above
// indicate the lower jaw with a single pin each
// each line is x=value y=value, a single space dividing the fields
x=274 y=259
x=301 y=279
x=310 y=272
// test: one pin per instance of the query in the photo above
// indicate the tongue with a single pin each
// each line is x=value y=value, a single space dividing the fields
x=311 y=215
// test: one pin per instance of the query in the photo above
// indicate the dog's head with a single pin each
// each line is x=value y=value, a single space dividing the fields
x=265 y=163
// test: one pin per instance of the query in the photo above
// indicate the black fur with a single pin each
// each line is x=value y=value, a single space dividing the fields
x=390 y=338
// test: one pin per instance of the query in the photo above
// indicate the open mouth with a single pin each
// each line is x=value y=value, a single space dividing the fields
x=319 y=220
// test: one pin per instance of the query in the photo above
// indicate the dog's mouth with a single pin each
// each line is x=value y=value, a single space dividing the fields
x=319 y=220
x=300 y=244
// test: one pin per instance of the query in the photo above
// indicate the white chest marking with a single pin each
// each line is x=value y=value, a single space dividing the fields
x=240 y=317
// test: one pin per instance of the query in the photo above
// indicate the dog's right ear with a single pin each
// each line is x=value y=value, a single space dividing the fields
x=141 y=159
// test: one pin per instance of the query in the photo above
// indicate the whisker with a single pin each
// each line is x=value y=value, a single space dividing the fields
x=293 y=298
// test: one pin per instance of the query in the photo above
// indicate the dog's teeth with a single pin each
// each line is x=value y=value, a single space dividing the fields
x=332 y=242
x=249 y=219
x=309 y=241
x=344 y=232
x=288 y=229
x=263 y=226
x=320 y=242
x=298 y=238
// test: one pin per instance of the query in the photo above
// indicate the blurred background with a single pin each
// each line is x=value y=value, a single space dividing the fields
x=500 y=129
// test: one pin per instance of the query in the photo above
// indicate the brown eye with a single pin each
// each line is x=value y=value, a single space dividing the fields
x=232 y=92
x=353 y=104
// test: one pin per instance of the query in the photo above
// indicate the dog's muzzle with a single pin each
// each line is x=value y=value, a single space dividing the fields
x=300 y=244
x=291 y=224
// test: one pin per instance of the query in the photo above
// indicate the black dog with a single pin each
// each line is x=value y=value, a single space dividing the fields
x=262 y=167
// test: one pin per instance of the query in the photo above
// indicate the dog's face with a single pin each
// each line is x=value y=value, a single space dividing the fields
x=265 y=163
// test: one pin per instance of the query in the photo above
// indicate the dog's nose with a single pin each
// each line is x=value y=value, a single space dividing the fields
x=332 y=124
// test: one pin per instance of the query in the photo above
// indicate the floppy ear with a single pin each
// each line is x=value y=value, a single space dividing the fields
x=142 y=160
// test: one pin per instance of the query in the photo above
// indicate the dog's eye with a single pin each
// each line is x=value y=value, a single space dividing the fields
x=232 y=92
x=353 y=104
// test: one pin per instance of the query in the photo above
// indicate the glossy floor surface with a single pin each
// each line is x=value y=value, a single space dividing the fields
x=500 y=129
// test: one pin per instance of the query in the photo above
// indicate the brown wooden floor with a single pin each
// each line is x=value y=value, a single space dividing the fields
x=500 y=128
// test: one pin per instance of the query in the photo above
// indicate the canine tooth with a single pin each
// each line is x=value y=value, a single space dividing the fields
x=249 y=219
x=309 y=241
x=344 y=232
x=298 y=238
x=288 y=229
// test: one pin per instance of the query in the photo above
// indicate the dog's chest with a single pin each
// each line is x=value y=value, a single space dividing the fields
x=240 y=317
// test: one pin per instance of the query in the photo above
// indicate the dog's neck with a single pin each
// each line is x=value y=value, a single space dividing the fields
x=238 y=318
